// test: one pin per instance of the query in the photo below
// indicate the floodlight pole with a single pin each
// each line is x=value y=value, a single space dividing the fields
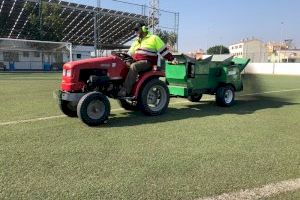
x=95 y=33
x=41 y=18
x=71 y=53
x=97 y=41
x=99 y=28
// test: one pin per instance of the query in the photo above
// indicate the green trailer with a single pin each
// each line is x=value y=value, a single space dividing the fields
x=218 y=75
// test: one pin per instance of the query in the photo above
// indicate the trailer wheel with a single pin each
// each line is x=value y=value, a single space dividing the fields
x=195 y=97
x=93 y=109
x=225 y=96
x=68 y=107
x=154 y=98
x=128 y=105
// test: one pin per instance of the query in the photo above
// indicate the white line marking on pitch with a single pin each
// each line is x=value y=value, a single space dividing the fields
x=119 y=109
x=261 y=192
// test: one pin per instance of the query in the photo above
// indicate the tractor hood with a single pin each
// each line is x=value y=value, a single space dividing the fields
x=99 y=63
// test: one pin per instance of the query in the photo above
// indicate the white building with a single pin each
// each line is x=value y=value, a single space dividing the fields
x=81 y=52
x=288 y=55
x=253 y=49
x=38 y=55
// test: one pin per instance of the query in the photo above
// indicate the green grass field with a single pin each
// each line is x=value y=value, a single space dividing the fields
x=192 y=151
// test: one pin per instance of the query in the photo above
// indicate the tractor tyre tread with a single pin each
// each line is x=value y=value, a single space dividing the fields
x=220 y=96
x=82 y=108
x=64 y=107
x=142 y=101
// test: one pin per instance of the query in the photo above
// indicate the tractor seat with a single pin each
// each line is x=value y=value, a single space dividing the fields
x=154 y=68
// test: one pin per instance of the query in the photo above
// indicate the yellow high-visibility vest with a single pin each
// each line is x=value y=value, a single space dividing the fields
x=150 y=45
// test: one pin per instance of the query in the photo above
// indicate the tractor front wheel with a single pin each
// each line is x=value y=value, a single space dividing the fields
x=154 y=98
x=68 y=107
x=93 y=109
x=225 y=96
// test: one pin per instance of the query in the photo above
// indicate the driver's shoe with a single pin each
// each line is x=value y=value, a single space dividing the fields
x=122 y=93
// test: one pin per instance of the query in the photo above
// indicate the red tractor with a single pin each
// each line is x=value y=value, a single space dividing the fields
x=87 y=84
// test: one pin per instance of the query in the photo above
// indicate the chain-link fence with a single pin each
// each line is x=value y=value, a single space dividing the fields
x=100 y=24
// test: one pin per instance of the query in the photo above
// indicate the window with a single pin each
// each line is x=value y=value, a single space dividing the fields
x=78 y=55
x=11 y=56
x=25 y=54
x=37 y=54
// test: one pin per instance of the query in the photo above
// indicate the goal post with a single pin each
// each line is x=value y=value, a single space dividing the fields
x=33 y=55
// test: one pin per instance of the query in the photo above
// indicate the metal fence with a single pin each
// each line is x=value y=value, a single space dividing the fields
x=165 y=20
x=88 y=22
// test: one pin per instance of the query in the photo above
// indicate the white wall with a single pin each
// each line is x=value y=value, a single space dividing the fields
x=273 y=68
x=287 y=68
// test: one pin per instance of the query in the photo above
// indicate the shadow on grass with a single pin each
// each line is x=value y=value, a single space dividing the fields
x=199 y=110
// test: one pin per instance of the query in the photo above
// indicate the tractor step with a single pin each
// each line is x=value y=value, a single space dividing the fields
x=127 y=98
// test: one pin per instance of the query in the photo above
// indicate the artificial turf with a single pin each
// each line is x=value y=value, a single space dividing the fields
x=193 y=150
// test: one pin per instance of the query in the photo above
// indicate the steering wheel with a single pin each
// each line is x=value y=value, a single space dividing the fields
x=124 y=56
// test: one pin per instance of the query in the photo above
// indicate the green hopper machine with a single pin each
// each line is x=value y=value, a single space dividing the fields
x=218 y=75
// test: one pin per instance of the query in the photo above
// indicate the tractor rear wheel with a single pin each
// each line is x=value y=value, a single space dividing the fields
x=225 y=96
x=195 y=97
x=68 y=107
x=154 y=98
x=93 y=109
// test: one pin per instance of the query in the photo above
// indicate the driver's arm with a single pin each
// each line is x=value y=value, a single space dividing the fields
x=132 y=49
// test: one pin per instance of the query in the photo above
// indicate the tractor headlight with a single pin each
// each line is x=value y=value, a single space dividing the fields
x=69 y=73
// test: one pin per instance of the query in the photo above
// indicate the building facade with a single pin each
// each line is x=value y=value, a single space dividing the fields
x=250 y=48
x=283 y=52
x=40 y=61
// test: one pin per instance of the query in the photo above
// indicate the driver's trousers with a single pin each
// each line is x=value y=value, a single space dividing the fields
x=136 y=68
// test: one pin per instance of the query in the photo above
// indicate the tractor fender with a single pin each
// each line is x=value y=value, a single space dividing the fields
x=221 y=84
x=145 y=77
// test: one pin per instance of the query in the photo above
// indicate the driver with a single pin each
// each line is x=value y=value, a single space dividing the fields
x=144 y=51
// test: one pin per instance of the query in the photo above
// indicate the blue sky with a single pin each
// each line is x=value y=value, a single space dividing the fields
x=228 y=21
x=204 y=23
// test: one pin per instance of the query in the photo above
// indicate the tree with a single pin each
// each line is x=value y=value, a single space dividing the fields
x=52 y=23
x=169 y=37
x=3 y=24
x=219 y=49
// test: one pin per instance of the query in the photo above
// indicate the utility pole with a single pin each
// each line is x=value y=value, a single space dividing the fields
x=280 y=43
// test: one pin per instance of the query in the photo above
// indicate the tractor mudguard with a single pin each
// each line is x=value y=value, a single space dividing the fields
x=144 y=78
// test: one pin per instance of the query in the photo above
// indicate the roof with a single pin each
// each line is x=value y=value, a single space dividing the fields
x=115 y=26
x=244 y=41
